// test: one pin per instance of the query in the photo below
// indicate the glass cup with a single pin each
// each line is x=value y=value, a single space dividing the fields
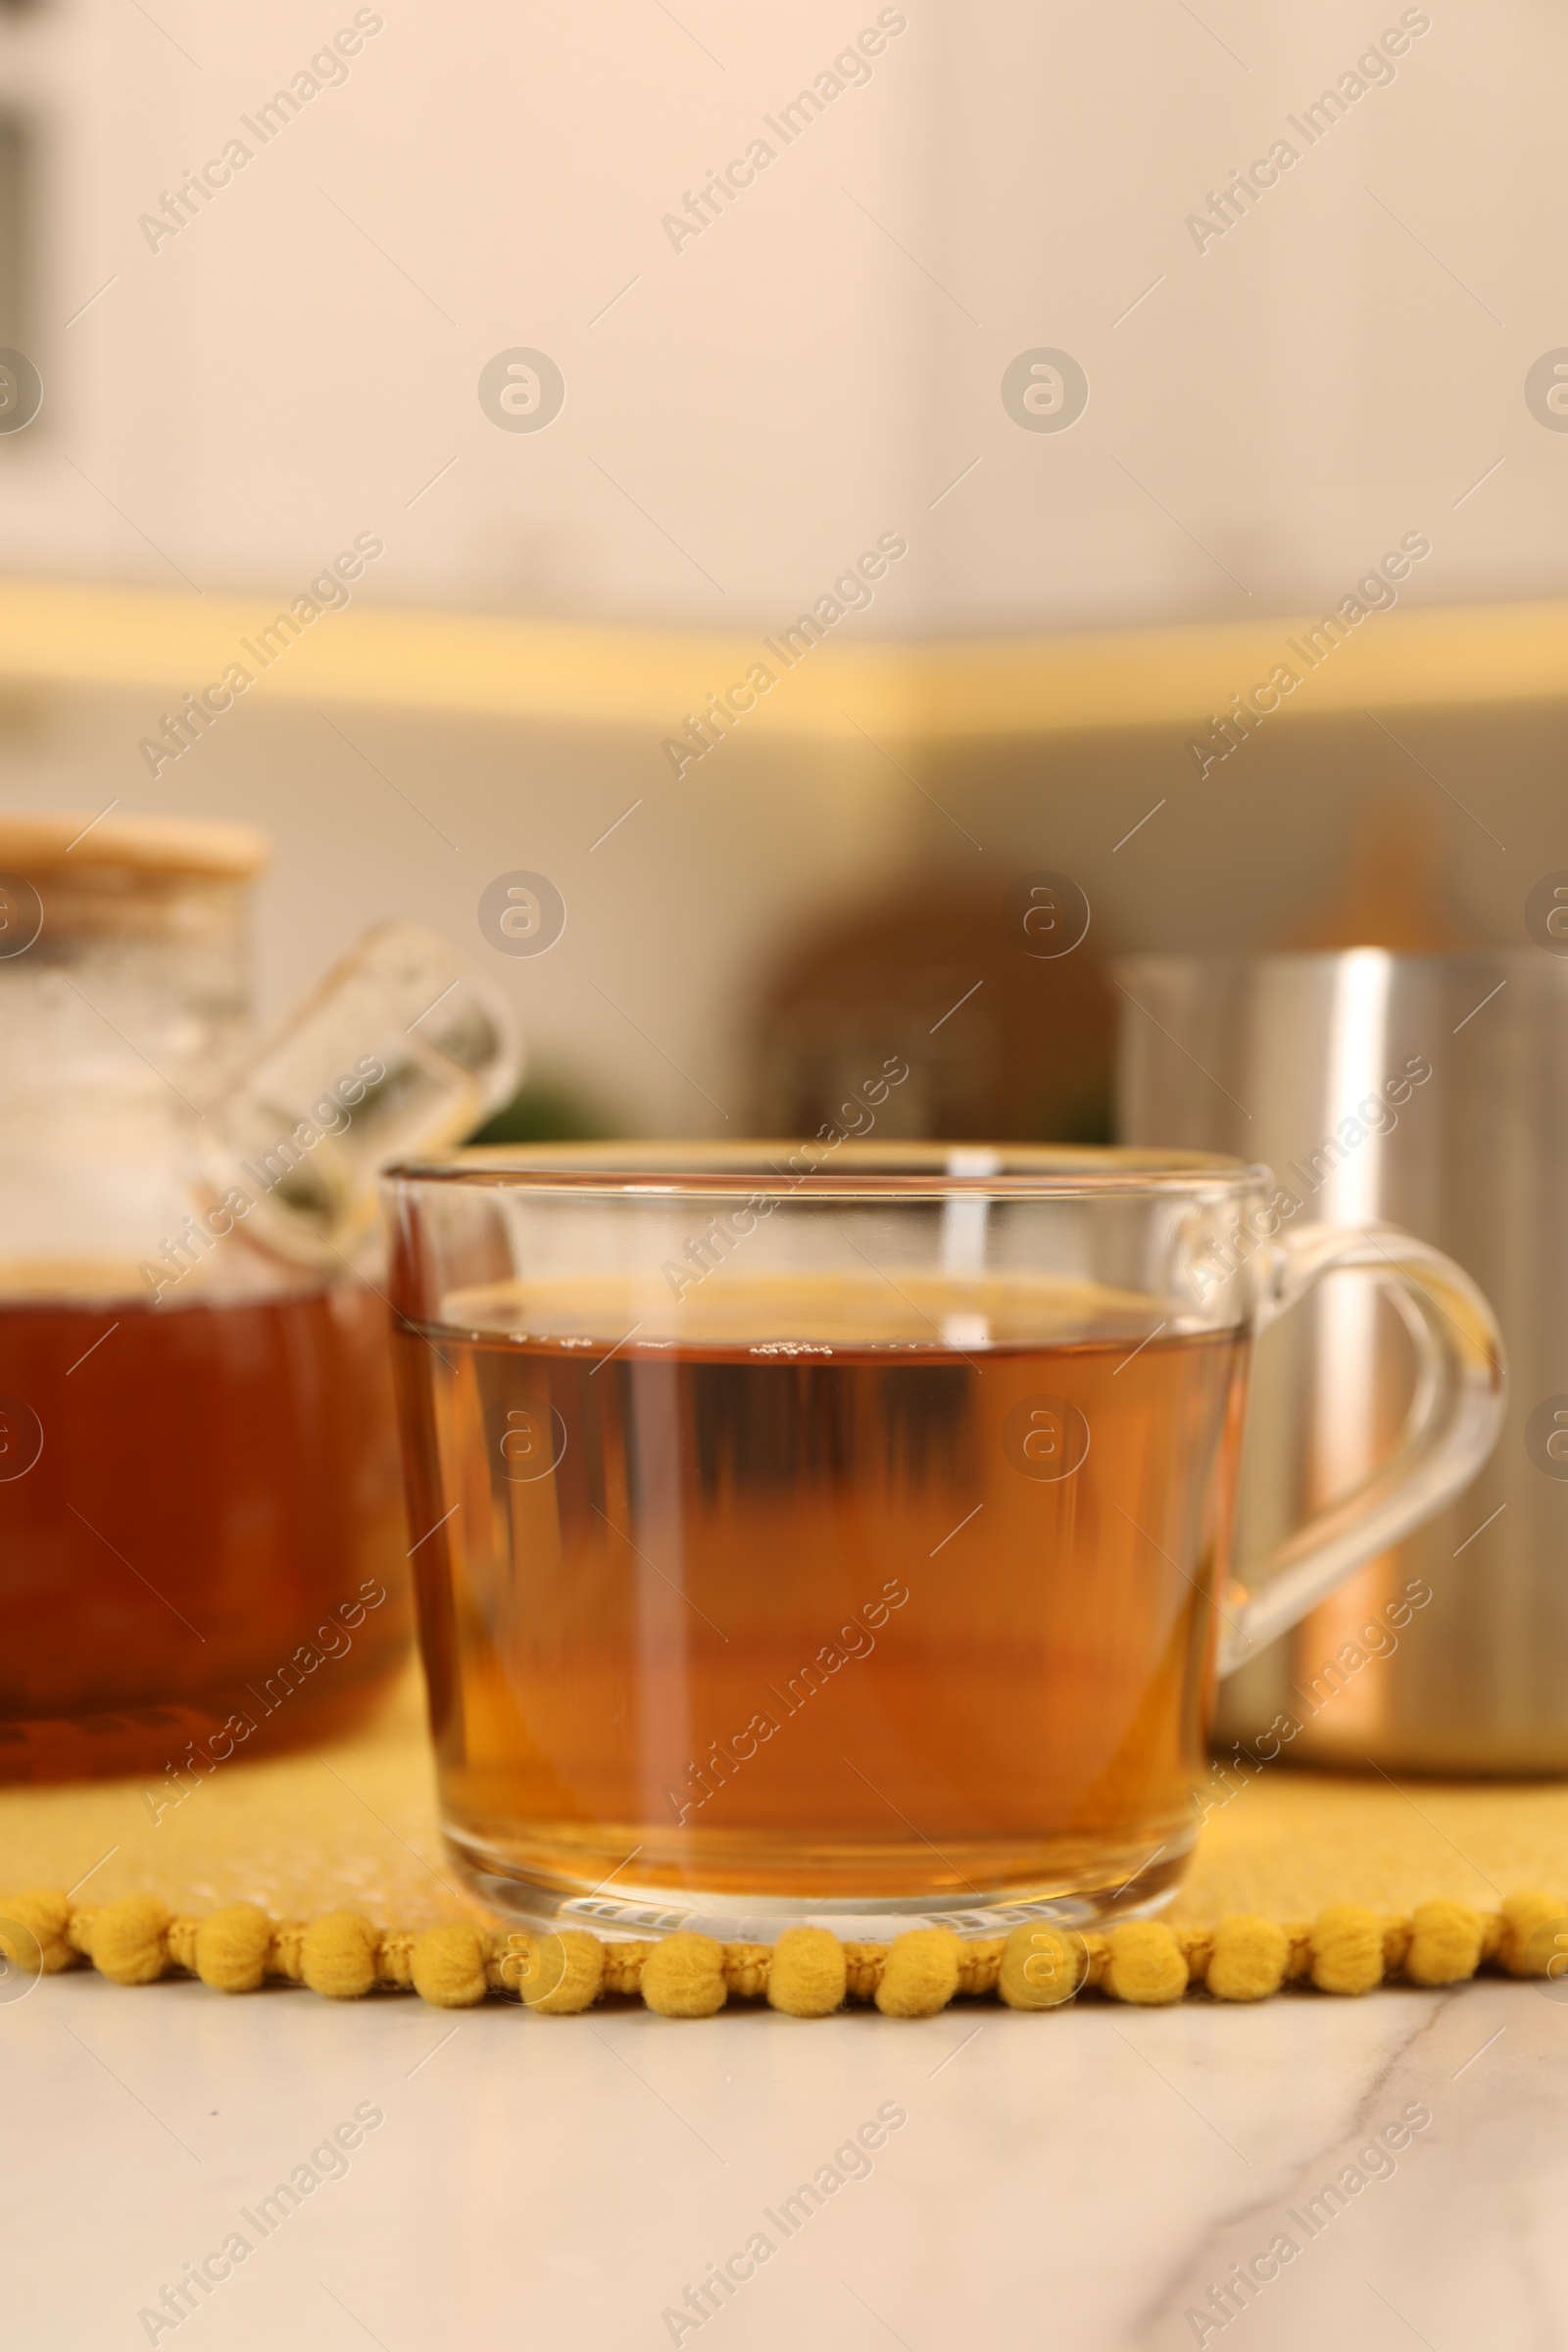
x=841 y=1533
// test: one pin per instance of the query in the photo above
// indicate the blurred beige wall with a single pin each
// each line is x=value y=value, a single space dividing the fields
x=820 y=363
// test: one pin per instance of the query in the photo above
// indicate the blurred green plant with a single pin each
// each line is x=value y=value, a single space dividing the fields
x=546 y=1110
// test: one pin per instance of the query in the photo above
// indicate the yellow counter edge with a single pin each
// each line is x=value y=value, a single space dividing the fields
x=579 y=674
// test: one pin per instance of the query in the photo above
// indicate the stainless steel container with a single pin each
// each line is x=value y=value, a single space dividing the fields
x=1430 y=1090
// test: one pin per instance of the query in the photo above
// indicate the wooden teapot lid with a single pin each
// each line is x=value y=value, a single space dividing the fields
x=35 y=842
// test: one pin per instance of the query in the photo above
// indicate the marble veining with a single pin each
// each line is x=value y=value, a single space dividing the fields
x=1086 y=2178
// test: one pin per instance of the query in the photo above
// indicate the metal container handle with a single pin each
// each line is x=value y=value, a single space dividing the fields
x=1454 y=1423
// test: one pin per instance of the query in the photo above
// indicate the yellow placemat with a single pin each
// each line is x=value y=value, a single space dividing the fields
x=1291 y=1842
x=350 y=1826
x=353 y=1826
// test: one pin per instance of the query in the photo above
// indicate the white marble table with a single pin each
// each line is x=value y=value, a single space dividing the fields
x=1081 y=2178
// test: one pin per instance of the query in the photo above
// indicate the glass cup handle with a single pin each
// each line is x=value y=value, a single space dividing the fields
x=1453 y=1425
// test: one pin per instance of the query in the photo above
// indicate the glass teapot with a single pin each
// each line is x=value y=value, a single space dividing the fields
x=201 y=1543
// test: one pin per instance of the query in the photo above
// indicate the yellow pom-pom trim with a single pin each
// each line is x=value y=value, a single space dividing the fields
x=556 y=1975
x=684 y=1977
x=808 y=1973
x=448 y=1965
x=233 y=1949
x=1346 y=1949
x=1535 y=1935
x=130 y=1940
x=920 y=1974
x=1148 y=1965
x=1445 y=1947
x=338 y=1956
x=1248 y=1958
x=34 y=1932
x=1040 y=1967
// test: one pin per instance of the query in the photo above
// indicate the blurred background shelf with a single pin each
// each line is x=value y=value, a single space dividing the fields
x=599 y=675
x=299 y=365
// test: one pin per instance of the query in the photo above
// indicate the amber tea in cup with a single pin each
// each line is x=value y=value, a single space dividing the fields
x=838 y=1536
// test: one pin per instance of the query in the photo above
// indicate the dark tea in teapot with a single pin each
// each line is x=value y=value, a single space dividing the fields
x=199 y=1527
